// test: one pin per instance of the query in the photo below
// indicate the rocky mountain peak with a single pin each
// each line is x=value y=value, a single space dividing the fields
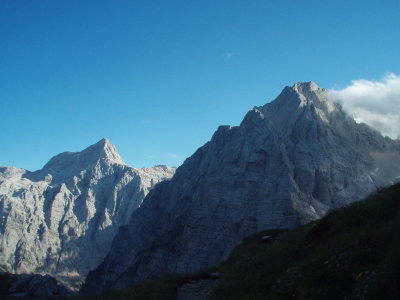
x=104 y=149
x=69 y=163
x=61 y=219
x=299 y=95
x=303 y=98
x=306 y=87
x=311 y=94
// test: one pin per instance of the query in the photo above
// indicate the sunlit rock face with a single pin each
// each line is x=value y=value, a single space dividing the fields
x=289 y=162
x=61 y=219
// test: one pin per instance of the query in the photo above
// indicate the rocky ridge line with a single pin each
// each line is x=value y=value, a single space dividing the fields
x=61 y=219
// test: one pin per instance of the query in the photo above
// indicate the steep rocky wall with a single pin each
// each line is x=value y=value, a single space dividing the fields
x=289 y=162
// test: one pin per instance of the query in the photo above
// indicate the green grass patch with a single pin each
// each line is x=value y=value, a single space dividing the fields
x=352 y=253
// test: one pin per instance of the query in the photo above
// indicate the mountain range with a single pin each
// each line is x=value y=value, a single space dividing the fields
x=61 y=219
x=89 y=216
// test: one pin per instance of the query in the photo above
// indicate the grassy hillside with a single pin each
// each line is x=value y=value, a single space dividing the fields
x=352 y=253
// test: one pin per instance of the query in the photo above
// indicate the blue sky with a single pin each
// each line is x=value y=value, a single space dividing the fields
x=158 y=77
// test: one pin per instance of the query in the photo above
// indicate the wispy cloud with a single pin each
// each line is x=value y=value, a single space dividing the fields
x=228 y=55
x=174 y=155
x=376 y=103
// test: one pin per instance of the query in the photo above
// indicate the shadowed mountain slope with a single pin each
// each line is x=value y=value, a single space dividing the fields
x=352 y=253
x=289 y=162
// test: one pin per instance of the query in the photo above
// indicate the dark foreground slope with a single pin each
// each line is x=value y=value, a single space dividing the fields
x=31 y=286
x=352 y=253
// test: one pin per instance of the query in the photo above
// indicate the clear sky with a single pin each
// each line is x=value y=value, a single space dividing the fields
x=158 y=77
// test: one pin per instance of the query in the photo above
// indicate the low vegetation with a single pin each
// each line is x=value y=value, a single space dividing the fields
x=352 y=253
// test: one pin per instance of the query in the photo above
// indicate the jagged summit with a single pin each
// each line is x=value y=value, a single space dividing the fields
x=103 y=150
x=69 y=164
x=306 y=87
x=304 y=93
x=303 y=98
x=310 y=92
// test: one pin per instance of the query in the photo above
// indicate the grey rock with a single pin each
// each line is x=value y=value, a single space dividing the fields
x=61 y=219
x=289 y=162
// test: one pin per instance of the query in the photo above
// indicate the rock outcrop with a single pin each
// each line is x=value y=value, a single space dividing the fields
x=61 y=219
x=289 y=162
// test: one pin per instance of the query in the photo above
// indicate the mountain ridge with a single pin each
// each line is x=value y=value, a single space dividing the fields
x=60 y=220
x=102 y=150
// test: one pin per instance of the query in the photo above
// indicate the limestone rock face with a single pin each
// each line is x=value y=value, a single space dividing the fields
x=61 y=219
x=289 y=162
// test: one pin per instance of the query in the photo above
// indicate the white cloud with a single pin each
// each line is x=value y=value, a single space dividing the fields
x=376 y=103
x=173 y=155
x=228 y=55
